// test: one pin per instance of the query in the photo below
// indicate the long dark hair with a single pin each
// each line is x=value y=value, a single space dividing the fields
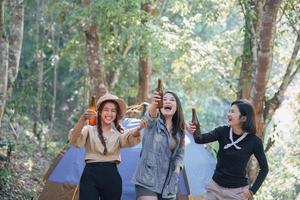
x=99 y=125
x=177 y=120
x=246 y=109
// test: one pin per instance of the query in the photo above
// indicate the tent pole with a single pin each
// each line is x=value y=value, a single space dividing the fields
x=75 y=192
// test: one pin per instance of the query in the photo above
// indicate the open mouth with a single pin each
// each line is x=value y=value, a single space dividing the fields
x=108 y=118
x=168 y=108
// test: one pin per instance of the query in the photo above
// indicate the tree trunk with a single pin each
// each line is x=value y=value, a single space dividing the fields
x=144 y=63
x=3 y=62
x=144 y=79
x=15 y=41
x=54 y=91
x=10 y=50
x=93 y=57
x=40 y=71
x=112 y=78
x=3 y=75
x=40 y=81
x=265 y=109
x=54 y=82
x=265 y=56
x=245 y=79
x=262 y=39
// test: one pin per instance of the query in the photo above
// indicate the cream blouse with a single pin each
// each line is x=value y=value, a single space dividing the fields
x=87 y=136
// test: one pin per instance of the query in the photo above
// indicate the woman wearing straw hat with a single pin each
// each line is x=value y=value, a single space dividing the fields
x=102 y=143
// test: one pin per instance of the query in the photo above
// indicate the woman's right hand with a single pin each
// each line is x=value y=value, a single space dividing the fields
x=88 y=114
x=143 y=124
x=156 y=98
x=191 y=127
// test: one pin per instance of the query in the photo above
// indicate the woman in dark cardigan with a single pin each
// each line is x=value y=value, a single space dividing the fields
x=237 y=142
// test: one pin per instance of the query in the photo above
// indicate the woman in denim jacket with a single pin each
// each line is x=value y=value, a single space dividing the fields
x=156 y=176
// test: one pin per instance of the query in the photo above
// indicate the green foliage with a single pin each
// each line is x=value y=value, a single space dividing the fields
x=196 y=47
x=4 y=173
x=184 y=42
x=284 y=175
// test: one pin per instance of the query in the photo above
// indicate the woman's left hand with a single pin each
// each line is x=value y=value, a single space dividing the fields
x=143 y=124
x=248 y=194
x=191 y=128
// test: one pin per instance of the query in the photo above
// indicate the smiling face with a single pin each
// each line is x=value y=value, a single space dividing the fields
x=169 y=105
x=234 y=117
x=108 y=113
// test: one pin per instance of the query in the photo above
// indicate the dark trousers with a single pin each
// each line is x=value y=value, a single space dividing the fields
x=100 y=180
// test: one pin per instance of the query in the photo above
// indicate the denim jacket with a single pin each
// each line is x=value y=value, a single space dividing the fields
x=156 y=168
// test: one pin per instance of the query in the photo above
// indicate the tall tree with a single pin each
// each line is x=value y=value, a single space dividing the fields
x=40 y=66
x=55 y=60
x=93 y=56
x=145 y=64
x=10 y=48
x=250 y=47
x=3 y=62
x=265 y=56
x=260 y=31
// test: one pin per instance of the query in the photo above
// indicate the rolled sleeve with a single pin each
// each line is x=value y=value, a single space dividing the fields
x=151 y=120
x=78 y=137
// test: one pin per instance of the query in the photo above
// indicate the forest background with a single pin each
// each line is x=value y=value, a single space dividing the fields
x=56 y=54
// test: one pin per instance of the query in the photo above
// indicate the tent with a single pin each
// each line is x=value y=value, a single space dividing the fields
x=62 y=177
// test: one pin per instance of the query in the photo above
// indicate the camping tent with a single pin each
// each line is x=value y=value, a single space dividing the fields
x=63 y=176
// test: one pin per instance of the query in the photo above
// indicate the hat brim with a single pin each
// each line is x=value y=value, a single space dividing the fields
x=122 y=105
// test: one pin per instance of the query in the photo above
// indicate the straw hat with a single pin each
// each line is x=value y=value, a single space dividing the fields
x=110 y=97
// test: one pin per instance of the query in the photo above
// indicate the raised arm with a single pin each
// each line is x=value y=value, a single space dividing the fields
x=156 y=98
x=76 y=137
x=78 y=134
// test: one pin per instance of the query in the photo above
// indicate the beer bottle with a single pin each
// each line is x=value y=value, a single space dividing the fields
x=159 y=89
x=92 y=107
x=195 y=122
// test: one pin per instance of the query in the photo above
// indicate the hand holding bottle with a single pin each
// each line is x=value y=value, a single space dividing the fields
x=143 y=124
x=91 y=113
x=194 y=126
x=156 y=99
x=160 y=92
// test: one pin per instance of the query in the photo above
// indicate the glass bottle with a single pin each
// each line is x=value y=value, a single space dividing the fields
x=159 y=89
x=195 y=122
x=92 y=107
